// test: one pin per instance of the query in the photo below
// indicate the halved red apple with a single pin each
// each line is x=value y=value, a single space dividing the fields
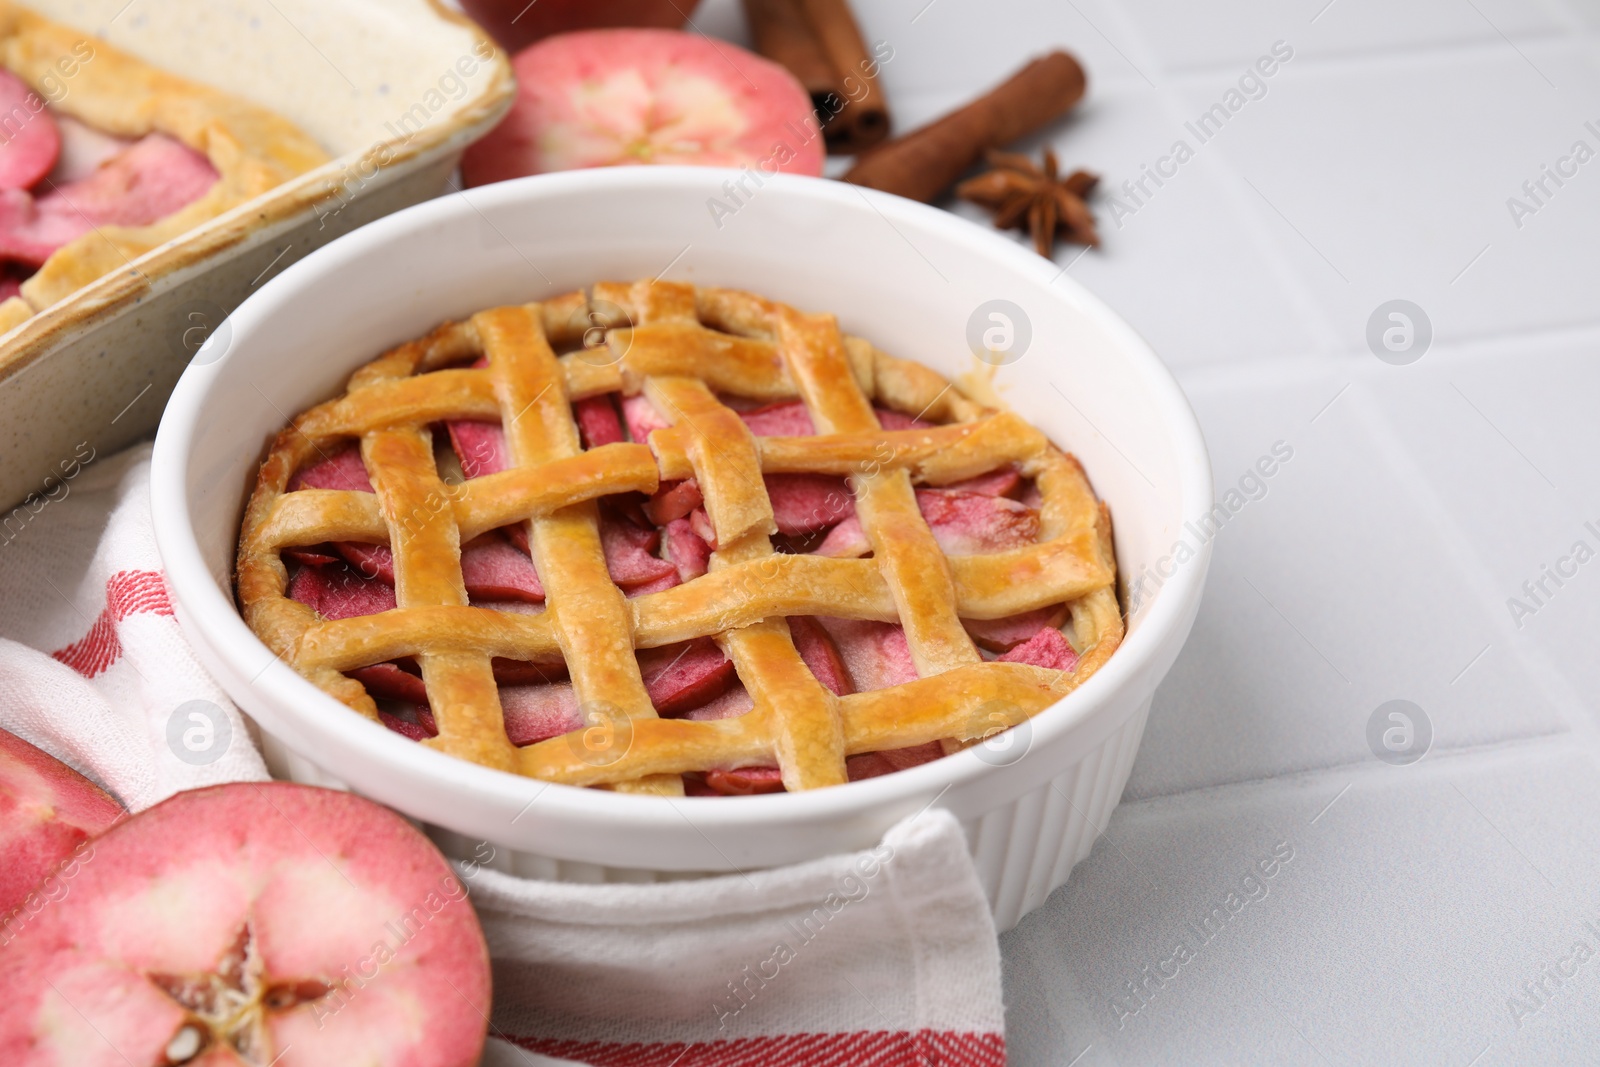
x=47 y=811
x=251 y=924
x=517 y=23
x=601 y=98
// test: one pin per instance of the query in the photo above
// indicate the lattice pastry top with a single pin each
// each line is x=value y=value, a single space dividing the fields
x=840 y=532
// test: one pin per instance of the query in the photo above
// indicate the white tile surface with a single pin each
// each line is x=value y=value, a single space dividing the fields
x=1221 y=297
x=1516 y=420
x=1329 y=595
x=1378 y=562
x=1378 y=180
x=1188 y=35
x=1412 y=909
x=956 y=43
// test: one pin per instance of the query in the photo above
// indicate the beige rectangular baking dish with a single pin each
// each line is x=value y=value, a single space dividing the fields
x=394 y=90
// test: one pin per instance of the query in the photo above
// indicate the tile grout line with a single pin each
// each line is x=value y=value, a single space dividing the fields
x=1365 y=769
x=1337 y=61
x=1487 y=346
x=1233 y=188
x=1553 y=682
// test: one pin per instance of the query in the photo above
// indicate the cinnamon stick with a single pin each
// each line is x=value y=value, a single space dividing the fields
x=821 y=45
x=864 y=120
x=925 y=162
x=784 y=35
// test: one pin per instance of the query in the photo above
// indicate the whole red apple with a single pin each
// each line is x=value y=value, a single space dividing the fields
x=515 y=24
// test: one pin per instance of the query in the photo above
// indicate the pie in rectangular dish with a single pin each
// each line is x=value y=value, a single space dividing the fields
x=669 y=539
x=103 y=158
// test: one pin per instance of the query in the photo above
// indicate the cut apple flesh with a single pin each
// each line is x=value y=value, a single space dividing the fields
x=151 y=180
x=601 y=98
x=47 y=811
x=254 y=924
x=32 y=140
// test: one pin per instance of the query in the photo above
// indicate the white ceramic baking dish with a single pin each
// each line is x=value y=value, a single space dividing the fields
x=904 y=275
x=402 y=84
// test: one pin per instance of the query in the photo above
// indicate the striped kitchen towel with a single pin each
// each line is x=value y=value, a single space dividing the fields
x=93 y=667
x=884 y=957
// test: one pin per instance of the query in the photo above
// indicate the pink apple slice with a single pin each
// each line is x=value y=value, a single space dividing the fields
x=528 y=672
x=745 y=781
x=642 y=418
x=32 y=141
x=340 y=469
x=153 y=179
x=873 y=764
x=681 y=677
x=1002 y=635
x=845 y=541
x=788 y=418
x=340 y=593
x=313 y=555
x=657 y=585
x=252 y=923
x=700 y=523
x=538 y=712
x=968 y=524
x=1001 y=482
x=630 y=556
x=47 y=810
x=480 y=446
x=806 y=503
x=84 y=149
x=419 y=727
x=1048 y=648
x=495 y=569
x=819 y=654
x=876 y=655
x=597 y=420
x=895 y=420
x=686 y=549
x=673 y=501
x=734 y=702
x=392 y=682
x=601 y=98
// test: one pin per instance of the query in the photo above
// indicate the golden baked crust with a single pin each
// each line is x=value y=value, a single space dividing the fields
x=251 y=148
x=683 y=347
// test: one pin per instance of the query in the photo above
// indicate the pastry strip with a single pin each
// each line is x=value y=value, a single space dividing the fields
x=800 y=716
x=427 y=572
x=908 y=557
x=311 y=516
x=591 y=619
x=938 y=455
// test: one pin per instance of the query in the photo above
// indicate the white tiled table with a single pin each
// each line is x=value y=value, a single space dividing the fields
x=1379 y=563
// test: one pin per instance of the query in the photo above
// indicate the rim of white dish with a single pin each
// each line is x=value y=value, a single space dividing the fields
x=224 y=630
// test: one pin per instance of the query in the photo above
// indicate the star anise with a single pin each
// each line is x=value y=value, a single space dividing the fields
x=1025 y=197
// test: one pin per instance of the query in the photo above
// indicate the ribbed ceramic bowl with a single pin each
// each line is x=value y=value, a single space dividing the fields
x=906 y=276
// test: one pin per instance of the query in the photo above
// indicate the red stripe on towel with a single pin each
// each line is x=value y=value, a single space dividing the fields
x=127 y=593
x=874 y=1048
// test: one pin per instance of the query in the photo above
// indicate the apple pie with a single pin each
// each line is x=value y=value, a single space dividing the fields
x=669 y=539
x=103 y=158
